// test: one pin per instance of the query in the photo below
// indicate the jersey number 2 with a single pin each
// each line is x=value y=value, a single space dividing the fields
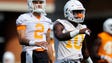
x=38 y=32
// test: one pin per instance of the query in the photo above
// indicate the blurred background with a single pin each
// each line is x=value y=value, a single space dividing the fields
x=97 y=11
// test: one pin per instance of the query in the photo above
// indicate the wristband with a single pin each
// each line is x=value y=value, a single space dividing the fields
x=32 y=43
x=102 y=57
x=87 y=32
x=74 y=33
x=89 y=60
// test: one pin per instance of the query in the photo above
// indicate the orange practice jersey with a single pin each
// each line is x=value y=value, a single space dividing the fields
x=106 y=44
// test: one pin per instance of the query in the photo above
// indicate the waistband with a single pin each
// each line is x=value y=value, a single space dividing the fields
x=39 y=49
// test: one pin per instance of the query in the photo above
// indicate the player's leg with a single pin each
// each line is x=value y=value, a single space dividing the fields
x=23 y=57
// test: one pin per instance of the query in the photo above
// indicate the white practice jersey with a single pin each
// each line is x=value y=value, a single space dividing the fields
x=35 y=29
x=70 y=49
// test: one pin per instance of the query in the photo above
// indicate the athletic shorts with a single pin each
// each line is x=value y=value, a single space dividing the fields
x=37 y=57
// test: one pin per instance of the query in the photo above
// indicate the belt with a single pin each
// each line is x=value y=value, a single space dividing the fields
x=40 y=49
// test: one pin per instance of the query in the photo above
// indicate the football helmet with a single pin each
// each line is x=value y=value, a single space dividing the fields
x=74 y=11
x=37 y=7
x=8 y=57
x=107 y=26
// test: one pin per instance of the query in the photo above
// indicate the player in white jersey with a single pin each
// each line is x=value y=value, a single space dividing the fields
x=71 y=35
x=34 y=33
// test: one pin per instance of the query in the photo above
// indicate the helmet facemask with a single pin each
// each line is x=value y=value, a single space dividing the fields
x=74 y=11
x=78 y=15
x=37 y=6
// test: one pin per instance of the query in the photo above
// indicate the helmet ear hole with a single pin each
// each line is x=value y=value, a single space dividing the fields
x=66 y=14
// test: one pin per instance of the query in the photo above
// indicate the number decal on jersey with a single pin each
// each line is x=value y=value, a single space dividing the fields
x=38 y=32
x=76 y=42
x=108 y=47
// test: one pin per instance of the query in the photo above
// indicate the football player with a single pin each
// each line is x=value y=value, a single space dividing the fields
x=34 y=33
x=71 y=35
x=102 y=50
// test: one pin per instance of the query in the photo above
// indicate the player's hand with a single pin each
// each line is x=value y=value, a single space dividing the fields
x=84 y=31
x=44 y=44
x=107 y=58
x=41 y=43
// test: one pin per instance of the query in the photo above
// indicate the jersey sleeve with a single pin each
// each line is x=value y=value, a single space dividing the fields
x=20 y=23
x=20 y=20
x=50 y=23
x=50 y=27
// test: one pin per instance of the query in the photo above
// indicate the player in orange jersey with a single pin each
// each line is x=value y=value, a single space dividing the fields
x=102 y=51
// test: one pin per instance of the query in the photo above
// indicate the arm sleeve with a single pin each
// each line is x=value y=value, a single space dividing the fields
x=20 y=20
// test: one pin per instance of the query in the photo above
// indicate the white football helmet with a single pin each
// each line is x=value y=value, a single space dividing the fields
x=107 y=26
x=74 y=11
x=8 y=57
x=39 y=8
